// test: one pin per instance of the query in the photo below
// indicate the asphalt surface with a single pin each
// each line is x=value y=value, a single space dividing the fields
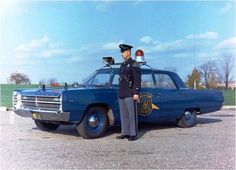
x=208 y=145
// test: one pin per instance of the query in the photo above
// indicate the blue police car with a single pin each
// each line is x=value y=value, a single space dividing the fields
x=93 y=106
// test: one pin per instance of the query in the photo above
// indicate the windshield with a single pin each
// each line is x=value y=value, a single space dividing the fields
x=99 y=79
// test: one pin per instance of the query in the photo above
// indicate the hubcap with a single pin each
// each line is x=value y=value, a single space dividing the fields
x=187 y=115
x=93 y=121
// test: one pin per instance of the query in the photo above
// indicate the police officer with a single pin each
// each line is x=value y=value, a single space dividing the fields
x=129 y=87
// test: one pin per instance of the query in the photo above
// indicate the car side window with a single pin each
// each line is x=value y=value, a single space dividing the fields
x=116 y=80
x=147 y=81
x=163 y=81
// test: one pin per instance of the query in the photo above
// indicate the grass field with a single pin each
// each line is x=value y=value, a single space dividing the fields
x=229 y=96
x=6 y=92
x=7 y=89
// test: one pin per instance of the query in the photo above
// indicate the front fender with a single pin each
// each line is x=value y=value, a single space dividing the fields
x=76 y=102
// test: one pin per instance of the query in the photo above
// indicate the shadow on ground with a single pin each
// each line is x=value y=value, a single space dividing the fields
x=71 y=130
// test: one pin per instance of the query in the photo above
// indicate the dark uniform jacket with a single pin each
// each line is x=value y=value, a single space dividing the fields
x=130 y=78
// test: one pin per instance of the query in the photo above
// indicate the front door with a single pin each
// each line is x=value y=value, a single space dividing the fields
x=149 y=104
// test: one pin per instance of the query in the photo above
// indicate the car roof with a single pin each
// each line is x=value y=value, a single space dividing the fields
x=178 y=81
x=144 y=70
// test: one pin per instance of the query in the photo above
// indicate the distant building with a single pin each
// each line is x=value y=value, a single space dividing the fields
x=232 y=85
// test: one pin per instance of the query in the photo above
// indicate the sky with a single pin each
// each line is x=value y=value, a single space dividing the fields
x=66 y=40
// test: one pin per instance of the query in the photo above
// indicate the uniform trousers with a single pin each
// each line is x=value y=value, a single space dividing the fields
x=128 y=116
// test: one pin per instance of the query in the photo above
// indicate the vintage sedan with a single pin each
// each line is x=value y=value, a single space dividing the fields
x=93 y=106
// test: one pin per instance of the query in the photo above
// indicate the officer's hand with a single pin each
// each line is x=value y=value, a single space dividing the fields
x=135 y=97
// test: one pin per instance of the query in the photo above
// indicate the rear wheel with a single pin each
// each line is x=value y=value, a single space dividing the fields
x=94 y=123
x=45 y=126
x=188 y=119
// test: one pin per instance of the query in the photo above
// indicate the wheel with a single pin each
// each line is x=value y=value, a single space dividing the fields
x=94 y=123
x=188 y=119
x=45 y=126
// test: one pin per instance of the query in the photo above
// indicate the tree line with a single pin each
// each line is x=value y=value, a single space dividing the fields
x=207 y=75
x=210 y=74
x=21 y=78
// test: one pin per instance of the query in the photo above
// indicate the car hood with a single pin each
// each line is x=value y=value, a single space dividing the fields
x=40 y=92
x=51 y=92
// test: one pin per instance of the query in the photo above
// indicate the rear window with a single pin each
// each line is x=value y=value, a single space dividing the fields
x=163 y=81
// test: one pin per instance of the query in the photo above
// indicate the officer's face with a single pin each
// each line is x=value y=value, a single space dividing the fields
x=126 y=54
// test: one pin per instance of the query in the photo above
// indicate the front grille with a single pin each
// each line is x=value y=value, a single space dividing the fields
x=42 y=103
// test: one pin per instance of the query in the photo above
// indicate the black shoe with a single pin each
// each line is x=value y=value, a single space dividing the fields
x=122 y=137
x=132 y=138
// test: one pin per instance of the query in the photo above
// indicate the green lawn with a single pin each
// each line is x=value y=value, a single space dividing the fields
x=229 y=96
x=7 y=89
x=6 y=92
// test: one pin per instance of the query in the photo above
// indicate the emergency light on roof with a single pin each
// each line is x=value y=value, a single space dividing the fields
x=139 y=57
x=108 y=60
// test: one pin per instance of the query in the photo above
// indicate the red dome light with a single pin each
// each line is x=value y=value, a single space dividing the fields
x=139 y=53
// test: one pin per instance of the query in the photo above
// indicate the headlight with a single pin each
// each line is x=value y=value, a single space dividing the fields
x=60 y=100
x=17 y=100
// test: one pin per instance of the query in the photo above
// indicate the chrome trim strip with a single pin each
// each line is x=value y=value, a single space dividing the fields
x=31 y=101
x=37 y=95
x=36 y=110
x=46 y=115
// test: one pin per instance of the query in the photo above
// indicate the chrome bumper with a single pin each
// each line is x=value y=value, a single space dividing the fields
x=43 y=115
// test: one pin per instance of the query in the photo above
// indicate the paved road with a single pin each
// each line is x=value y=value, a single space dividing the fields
x=209 y=145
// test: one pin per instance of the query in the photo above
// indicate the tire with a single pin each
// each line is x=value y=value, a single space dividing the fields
x=94 y=123
x=189 y=119
x=45 y=126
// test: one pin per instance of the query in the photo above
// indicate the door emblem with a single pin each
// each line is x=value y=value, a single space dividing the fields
x=145 y=105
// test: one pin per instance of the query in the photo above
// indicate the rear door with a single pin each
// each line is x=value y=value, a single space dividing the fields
x=171 y=99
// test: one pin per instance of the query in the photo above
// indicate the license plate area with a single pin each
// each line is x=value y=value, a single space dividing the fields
x=36 y=115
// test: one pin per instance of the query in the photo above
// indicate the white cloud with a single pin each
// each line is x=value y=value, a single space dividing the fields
x=170 y=45
x=146 y=39
x=42 y=47
x=137 y=2
x=203 y=36
x=34 y=45
x=105 y=5
x=112 y=45
x=227 y=44
x=225 y=9
x=53 y=52
x=167 y=47
x=208 y=55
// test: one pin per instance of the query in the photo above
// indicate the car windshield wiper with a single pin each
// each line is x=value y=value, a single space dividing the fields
x=101 y=85
x=76 y=84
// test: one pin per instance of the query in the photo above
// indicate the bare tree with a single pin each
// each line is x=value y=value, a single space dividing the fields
x=209 y=74
x=19 y=78
x=225 y=68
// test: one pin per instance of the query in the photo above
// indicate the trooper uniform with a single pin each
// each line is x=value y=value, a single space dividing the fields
x=129 y=84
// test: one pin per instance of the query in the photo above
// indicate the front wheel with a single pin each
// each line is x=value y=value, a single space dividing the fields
x=188 y=119
x=94 y=123
x=45 y=126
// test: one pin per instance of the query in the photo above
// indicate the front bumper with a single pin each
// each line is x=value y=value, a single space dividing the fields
x=43 y=115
